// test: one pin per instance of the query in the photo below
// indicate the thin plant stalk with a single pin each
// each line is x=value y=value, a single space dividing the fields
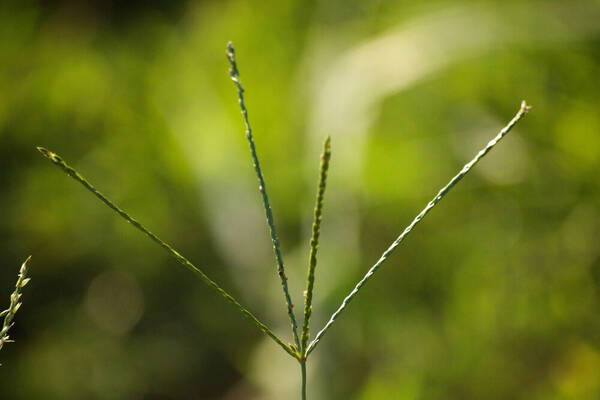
x=303 y=373
x=522 y=111
x=314 y=242
x=235 y=77
x=15 y=303
x=58 y=161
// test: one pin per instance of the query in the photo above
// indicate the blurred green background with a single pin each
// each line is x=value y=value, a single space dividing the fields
x=495 y=295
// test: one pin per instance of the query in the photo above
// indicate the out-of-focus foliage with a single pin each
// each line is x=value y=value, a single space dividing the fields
x=495 y=296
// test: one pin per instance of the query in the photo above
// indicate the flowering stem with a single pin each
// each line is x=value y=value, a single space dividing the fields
x=522 y=111
x=235 y=77
x=314 y=241
x=15 y=304
x=58 y=161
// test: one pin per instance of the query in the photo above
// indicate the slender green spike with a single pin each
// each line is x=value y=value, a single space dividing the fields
x=522 y=111
x=58 y=161
x=314 y=241
x=14 y=305
x=235 y=77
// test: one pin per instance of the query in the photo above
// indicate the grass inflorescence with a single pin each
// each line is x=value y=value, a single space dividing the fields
x=235 y=77
x=314 y=242
x=302 y=348
x=15 y=303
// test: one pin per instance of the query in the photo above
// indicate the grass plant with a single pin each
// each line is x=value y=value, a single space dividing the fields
x=301 y=348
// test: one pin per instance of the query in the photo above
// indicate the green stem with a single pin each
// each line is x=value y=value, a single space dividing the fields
x=303 y=371
x=58 y=161
x=235 y=77
x=522 y=111
x=314 y=241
